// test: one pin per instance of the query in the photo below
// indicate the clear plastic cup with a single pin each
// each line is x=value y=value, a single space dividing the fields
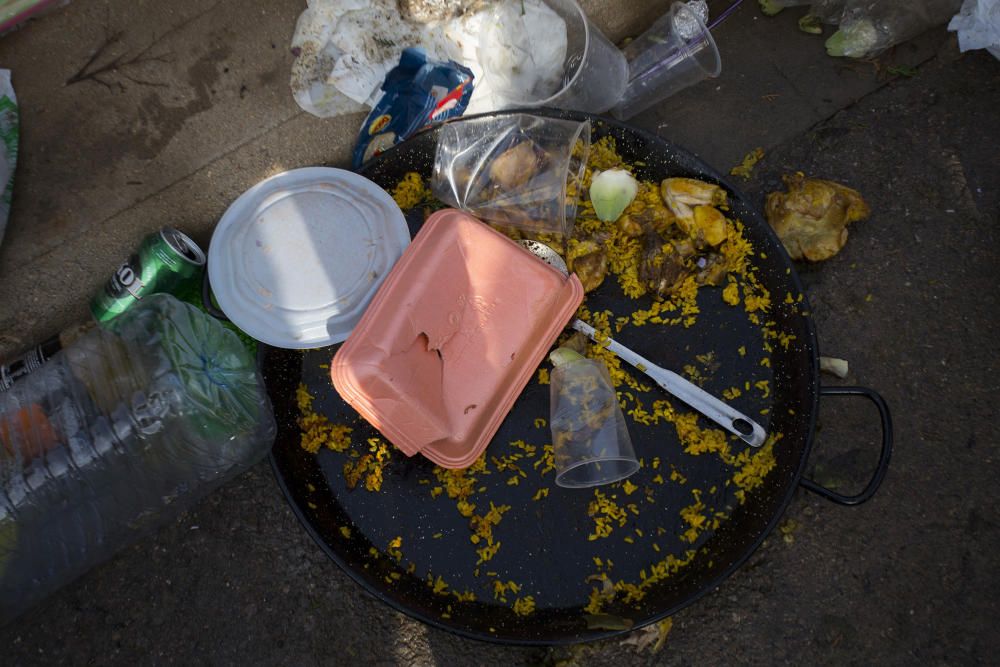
x=546 y=53
x=518 y=170
x=590 y=440
x=676 y=52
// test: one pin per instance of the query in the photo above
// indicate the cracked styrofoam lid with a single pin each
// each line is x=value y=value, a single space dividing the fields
x=295 y=259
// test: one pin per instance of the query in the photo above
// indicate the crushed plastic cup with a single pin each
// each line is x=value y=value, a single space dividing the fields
x=521 y=170
x=678 y=51
x=546 y=53
x=590 y=440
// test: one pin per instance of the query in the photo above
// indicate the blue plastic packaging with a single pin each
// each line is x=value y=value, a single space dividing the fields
x=416 y=93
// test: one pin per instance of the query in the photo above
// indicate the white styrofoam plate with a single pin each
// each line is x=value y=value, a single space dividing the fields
x=295 y=259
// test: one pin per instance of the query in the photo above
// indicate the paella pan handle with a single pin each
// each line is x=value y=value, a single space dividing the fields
x=884 y=456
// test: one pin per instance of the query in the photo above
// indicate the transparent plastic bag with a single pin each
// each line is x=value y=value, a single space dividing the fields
x=523 y=171
x=869 y=27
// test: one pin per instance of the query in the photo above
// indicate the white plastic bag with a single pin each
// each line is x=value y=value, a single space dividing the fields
x=978 y=26
x=869 y=27
x=344 y=49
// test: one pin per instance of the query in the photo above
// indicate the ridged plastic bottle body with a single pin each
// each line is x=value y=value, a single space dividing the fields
x=97 y=448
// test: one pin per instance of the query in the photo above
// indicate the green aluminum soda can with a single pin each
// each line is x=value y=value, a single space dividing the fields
x=166 y=261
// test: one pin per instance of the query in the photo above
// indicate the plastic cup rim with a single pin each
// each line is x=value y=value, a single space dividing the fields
x=703 y=33
x=570 y=214
x=606 y=459
x=579 y=67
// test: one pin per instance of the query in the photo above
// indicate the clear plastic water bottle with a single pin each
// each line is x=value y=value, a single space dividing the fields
x=117 y=434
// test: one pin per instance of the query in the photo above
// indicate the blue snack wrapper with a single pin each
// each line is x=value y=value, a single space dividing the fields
x=417 y=93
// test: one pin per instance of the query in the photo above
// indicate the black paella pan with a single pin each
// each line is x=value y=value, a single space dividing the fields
x=572 y=565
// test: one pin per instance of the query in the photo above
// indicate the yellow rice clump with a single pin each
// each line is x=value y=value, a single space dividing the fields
x=317 y=431
x=395 y=548
x=603 y=155
x=437 y=585
x=605 y=513
x=695 y=518
x=411 y=191
x=731 y=293
x=598 y=596
x=500 y=589
x=368 y=466
x=464 y=596
x=753 y=468
x=659 y=571
x=524 y=606
x=546 y=462
x=482 y=526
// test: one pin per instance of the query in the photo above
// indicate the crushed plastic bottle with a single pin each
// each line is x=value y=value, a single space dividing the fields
x=117 y=434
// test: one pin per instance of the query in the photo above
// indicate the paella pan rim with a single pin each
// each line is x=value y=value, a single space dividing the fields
x=809 y=381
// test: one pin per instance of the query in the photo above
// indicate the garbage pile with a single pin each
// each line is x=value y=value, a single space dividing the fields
x=867 y=28
x=521 y=53
x=113 y=427
x=344 y=50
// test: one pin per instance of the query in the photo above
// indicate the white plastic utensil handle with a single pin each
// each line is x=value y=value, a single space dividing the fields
x=732 y=420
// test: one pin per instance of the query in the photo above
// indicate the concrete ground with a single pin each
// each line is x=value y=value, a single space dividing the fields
x=198 y=109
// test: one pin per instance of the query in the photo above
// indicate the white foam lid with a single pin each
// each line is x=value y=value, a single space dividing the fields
x=295 y=259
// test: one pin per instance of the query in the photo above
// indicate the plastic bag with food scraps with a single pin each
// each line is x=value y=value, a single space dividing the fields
x=520 y=171
x=869 y=27
x=345 y=48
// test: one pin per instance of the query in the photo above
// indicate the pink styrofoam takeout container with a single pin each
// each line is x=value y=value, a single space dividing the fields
x=451 y=339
